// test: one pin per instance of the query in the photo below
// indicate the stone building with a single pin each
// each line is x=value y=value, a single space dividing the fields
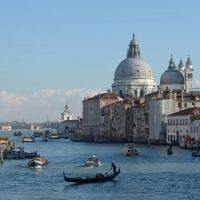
x=93 y=114
x=183 y=127
x=115 y=120
x=136 y=125
x=160 y=104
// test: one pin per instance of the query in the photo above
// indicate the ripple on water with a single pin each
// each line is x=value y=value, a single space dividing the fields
x=151 y=175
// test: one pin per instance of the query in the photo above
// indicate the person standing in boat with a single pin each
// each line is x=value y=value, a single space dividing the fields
x=113 y=167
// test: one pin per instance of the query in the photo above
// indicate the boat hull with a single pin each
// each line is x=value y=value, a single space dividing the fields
x=100 y=178
x=37 y=162
x=195 y=154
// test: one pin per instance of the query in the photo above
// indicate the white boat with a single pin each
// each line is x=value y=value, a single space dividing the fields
x=28 y=139
x=54 y=135
x=130 y=150
x=93 y=162
x=37 y=162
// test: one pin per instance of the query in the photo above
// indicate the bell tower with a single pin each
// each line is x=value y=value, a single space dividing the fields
x=188 y=75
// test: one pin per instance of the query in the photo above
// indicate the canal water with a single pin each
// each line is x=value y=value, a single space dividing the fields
x=152 y=175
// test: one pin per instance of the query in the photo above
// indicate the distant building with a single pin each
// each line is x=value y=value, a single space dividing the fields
x=66 y=114
x=5 y=127
x=36 y=127
x=67 y=125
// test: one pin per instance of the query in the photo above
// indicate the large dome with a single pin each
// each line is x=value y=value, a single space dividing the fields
x=133 y=68
x=133 y=75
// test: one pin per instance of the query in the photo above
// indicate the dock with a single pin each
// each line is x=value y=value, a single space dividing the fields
x=6 y=144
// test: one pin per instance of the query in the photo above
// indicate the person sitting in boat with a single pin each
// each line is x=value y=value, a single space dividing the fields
x=99 y=175
x=113 y=167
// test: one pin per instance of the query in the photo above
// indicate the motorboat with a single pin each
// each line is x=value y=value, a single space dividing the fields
x=28 y=139
x=37 y=134
x=19 y=153
x=130 y=150
x=17 y=133
x=54 y=135
x=196 y=153
x=92 y=162
x=37 y=162
x=99 y=177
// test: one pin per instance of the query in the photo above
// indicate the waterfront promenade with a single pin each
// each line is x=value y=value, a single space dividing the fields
x=152 y=175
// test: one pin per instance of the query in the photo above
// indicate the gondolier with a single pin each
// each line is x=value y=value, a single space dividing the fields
x=113 y=167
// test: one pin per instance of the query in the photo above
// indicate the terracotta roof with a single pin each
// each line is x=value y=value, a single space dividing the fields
x=188 y=111
x=109 y=95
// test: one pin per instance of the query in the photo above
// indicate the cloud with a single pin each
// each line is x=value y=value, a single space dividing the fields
x=43 y=104
x=196 y=83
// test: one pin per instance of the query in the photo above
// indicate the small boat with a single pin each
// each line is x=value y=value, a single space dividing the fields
x=37 y=162
x=93 y=162
x=17 y=133
x=53 y=135
x=45 y=139
x=195 y=154
x=37 y=134
x=28 y=139
x=130 y=150
x=19 y=153
x=169 y=150
x=99 y=177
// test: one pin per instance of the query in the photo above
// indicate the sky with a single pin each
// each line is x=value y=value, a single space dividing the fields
x=56 y=52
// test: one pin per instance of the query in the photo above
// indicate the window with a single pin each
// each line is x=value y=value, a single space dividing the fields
x=185 y=105
x=180 y=121
x=186 y=121
x=183 y=121
x=179 y=105
x=141 y=93
x=176 y=121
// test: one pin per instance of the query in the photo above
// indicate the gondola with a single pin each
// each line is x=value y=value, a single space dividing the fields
x=98 y=178
x=169 y=150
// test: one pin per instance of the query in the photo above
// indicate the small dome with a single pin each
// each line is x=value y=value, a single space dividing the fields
x=181 y=66
x=172 y=76
x=188 y=63
x=133 y=68
x=133 y=42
